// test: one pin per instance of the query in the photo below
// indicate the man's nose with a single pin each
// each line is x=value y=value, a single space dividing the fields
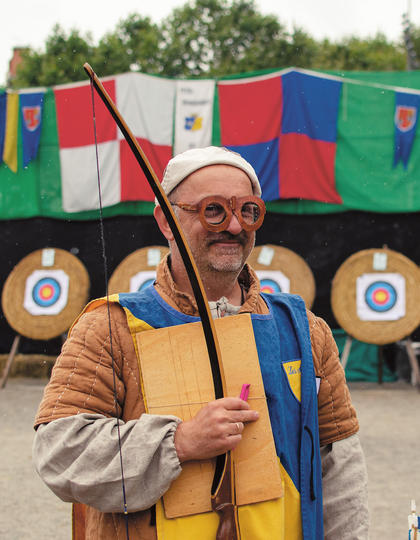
x=234 y=226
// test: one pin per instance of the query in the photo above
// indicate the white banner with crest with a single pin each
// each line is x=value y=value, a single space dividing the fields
x=193 y=114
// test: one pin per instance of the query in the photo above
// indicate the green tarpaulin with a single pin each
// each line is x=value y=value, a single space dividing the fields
x=365 y=177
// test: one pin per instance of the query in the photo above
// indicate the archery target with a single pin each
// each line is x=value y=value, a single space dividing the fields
x=380 y=297
x=375 y=296
x=46 y=292
x=137 y=270
x=281 y=270
x=141 y=280
x=273 y=281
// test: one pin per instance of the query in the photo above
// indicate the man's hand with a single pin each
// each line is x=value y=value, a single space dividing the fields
x=214 y=430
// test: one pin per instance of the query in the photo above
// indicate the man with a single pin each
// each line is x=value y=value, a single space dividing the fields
x=76 y=446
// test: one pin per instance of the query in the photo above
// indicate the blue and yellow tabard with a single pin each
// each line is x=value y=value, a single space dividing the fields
x=285 y=356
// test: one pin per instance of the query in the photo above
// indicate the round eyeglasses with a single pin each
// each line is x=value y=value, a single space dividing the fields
x=215 y=212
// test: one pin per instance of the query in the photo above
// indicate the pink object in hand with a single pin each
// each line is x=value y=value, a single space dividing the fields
x=245 y=391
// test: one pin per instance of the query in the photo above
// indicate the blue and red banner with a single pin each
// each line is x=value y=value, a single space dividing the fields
x=405 y=119
x=31 y=120
x=286 y=126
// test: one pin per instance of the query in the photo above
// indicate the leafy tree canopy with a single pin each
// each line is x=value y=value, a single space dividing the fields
x=205 y=38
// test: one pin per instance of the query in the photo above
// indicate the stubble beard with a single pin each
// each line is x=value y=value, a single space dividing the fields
x=227 y=260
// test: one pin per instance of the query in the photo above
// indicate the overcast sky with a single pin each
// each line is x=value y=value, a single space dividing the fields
x=28 y=23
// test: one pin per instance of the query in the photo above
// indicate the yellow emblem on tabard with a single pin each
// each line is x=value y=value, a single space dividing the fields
x=292 y=370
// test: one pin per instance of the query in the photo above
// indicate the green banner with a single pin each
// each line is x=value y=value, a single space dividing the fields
x=365 y=176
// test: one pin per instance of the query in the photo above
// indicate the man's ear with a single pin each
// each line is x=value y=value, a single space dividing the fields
x=163 y=223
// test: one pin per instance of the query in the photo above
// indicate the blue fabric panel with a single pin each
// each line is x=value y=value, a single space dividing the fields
x=406 y=116
x=142 y=305
x=310 y=106
x=274 y=344
x=264 y=157
x=31 y=106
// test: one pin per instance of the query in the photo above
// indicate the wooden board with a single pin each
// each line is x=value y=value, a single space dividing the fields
x=177 y=380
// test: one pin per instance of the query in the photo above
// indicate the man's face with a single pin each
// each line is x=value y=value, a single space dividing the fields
x=224 y=251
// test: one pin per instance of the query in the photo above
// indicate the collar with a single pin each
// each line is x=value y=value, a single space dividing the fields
x=186 y=303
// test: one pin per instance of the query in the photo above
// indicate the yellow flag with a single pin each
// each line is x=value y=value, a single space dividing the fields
x=10 y=140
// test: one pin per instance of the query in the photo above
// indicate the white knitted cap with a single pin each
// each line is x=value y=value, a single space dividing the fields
x=182 y=165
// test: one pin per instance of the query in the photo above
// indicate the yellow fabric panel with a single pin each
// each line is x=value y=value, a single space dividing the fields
x=279 y=519
x=198 y=527
x=291 y=508
x=293 y=372
x=11 y=135
x=136 y=325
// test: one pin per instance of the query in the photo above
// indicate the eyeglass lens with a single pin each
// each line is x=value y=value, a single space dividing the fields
x=215 y=213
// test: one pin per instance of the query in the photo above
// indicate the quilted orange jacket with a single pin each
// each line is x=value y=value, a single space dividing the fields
x=82 y=382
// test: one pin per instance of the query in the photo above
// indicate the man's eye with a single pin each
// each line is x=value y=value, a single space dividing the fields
x=213 y=210
x=250 y=211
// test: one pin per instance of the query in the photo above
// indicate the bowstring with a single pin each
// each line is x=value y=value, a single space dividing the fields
x=105 y=261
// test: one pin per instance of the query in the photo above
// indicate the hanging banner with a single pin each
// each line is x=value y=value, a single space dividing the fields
x=380 y=297
x=46 y=292
x=193 y=114
x=31 y=115
x=285 y=125
x=11 y=132
x=3 y=101
x=405 y=119
x=148 y=102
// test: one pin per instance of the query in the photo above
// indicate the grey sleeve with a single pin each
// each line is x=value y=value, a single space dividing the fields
x=344 y=489
x=78 y=458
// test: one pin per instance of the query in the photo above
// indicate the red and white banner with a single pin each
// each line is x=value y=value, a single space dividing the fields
x=147 y=105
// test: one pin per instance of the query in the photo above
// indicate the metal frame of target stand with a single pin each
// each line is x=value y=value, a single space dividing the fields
x=411 y=347
x=11 y=357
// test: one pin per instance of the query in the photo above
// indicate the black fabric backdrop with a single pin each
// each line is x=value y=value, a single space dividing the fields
x=324 y=241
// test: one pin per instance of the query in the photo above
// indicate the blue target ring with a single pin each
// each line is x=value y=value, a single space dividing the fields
x=46 y=292
x=146 y=284
x=380 y=296
x=269 y=286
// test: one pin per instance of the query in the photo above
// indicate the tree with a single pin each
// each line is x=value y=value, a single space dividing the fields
x=205 y=38
x=215 y=37
x=133 y=46
x=371 y=54
x=61 y=62
x=300 y=51
x=412 y=45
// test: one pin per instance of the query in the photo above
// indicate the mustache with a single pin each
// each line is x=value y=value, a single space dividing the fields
x=225 y=236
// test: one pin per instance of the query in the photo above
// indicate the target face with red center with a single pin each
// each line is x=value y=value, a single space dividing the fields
x=273 y=281
x=270 y=286
x=46 y=292
x=380 y=297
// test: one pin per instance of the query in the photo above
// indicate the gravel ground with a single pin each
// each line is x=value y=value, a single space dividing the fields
x=389 y=419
